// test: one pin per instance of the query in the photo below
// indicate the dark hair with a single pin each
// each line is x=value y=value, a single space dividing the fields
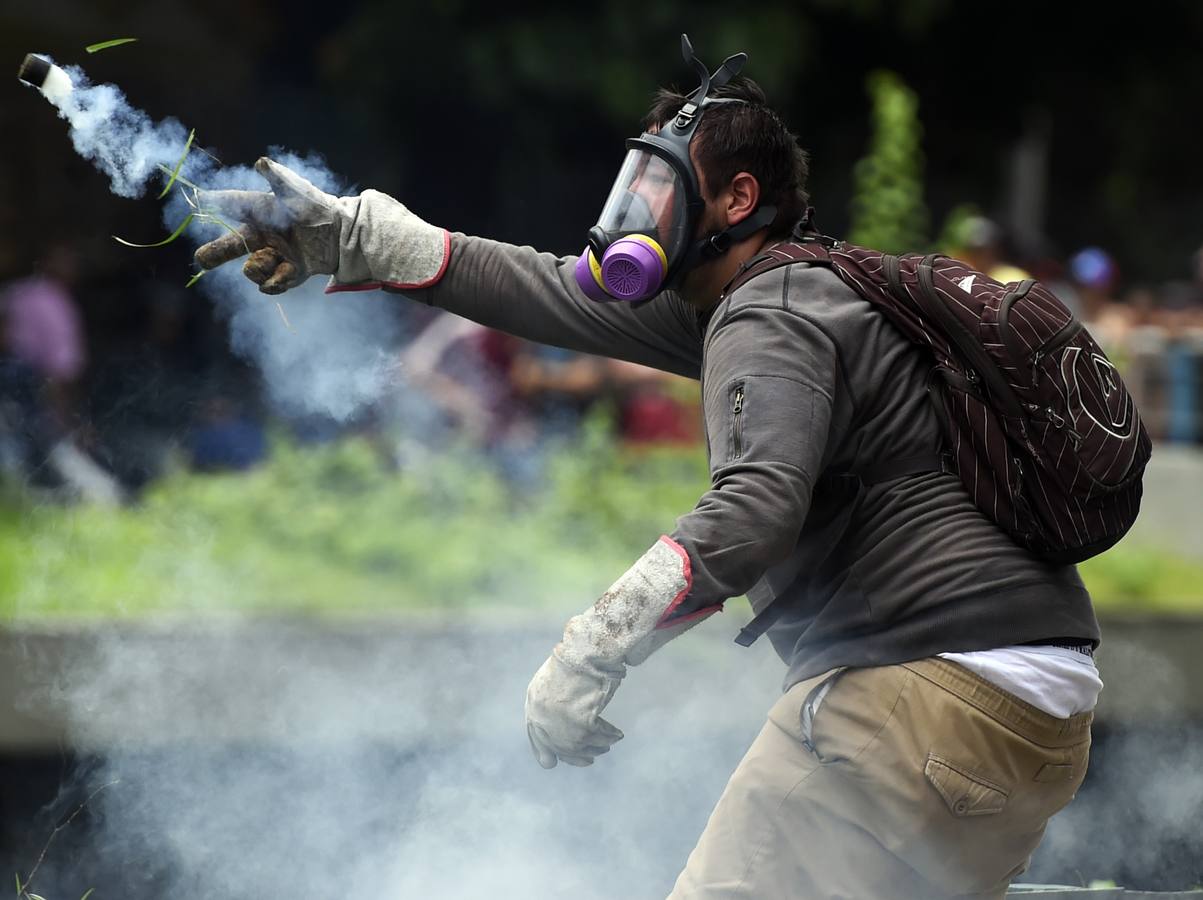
x=744 y=137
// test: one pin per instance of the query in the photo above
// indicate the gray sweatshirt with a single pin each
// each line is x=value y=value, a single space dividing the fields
x=801 y=378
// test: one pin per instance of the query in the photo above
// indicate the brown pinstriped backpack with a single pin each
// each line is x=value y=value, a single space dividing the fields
x=1039 y=426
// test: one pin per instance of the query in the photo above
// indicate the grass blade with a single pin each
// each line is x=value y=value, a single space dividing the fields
x=167 y=240
x=210 y=155
x=105 y=45
x=57 y=828
x=175 y=173
x=18 y=874
x=191 y=281
x=87 y=894
x=181 y=179
x=205 y=216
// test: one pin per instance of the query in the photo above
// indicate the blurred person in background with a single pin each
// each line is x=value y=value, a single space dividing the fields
x=146 y=390
x=982 y=244
x=42 y=356
x=1180 y=317
x=513 y=397
x=226 y=436
x=1197 y=282
x=1095 y=279
x=458 y=385
x=1182 y=301
x=559 y=386
x=653 y=407
x=940 y=680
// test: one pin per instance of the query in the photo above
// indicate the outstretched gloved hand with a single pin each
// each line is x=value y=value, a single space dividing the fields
x=634 y=618
x=296 y=230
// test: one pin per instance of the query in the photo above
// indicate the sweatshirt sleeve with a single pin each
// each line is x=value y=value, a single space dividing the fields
x=535 y=296
x=769 y=388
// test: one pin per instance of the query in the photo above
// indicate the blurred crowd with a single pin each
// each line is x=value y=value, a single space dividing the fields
x=99 y=417
x=1152 y=332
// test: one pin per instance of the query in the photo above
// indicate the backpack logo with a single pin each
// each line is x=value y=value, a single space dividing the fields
x=966 y=283
x=1106 y=374
x=1112 y=411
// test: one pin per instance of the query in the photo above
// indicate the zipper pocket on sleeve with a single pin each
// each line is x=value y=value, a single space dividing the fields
x=737 y=429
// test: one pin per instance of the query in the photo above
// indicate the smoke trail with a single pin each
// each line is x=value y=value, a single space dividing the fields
x=318 y=354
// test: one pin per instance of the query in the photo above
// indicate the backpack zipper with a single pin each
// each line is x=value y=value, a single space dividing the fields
x=1061 y=337
x=1054 y=418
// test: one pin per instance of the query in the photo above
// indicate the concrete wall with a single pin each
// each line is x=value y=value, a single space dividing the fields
x=1172 y=509
x=115 y=685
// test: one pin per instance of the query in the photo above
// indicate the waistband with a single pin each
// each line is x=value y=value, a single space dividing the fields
x=1018 y=715
x=1075 y=644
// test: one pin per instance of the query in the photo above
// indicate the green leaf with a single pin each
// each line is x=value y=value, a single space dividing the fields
x=87 y=894
x=175 y=173
x=18 y=874
x=105 y=45
x=167 y=240
x=195 y=278
x=35 y=897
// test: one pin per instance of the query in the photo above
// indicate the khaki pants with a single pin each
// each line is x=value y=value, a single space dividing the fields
x=917 y=781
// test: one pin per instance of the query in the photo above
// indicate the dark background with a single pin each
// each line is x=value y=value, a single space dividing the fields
x=509 y=122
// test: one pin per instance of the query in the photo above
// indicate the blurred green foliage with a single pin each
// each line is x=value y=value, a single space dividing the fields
x=331 y=531
x=888 y=212
x=954 y=234
x=1141 y=577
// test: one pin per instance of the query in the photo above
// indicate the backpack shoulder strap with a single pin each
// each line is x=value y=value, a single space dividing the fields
x=805 y=245
x=784 y=254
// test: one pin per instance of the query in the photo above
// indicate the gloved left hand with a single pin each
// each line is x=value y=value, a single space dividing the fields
x=633 y=619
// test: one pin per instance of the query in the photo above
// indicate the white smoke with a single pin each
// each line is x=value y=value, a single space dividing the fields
x=1137 y=818
x=318 y=354
x=121 y=141
x=278 y=760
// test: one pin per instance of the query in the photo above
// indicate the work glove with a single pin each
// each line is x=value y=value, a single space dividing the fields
x=633 y=619
x=296 y=230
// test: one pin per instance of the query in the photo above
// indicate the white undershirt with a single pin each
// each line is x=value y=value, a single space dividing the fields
x=1058 y=681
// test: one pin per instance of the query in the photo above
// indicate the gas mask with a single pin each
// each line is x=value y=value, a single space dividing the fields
x=643 y=241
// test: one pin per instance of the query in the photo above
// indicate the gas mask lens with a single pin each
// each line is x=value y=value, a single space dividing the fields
x=640 y=234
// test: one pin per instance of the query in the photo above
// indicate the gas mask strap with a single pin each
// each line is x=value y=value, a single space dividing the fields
x=731 y=67
x=686 y=118
x=720 y=242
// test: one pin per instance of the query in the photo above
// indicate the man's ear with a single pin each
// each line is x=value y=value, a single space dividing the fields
x=743 y=196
